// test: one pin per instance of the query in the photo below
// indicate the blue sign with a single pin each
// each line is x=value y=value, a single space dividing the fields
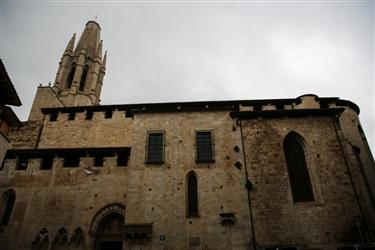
x=162 y=237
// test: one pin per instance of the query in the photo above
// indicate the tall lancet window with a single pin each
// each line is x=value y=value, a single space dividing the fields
x=83 y=78
x=71 y=76
x=192 y=195
x=297 y=168
x=6 y=206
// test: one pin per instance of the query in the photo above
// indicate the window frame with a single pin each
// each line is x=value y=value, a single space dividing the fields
x=212 y=160
x=147 y=148
x=189 y=214
x=315 y=198
x=8 y=200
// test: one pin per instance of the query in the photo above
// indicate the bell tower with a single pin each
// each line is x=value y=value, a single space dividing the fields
x=79 y=77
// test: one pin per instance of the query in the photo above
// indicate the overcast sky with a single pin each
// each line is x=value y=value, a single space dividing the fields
x=166 y=51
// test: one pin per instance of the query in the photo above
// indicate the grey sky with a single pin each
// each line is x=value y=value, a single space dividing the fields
x=186 y=51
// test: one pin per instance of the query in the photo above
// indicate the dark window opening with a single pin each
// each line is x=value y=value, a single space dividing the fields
x=100 y=155
x=7 y=156
x=155 y=152
x=122 y=159
x=71 y=76
x=128 y=114
x=2 y=164
x=204 y=147
x=53 y=117
x=71 y=116
x=46 y=163
x=99 y=161
x=108 y=114
x=83 y=78
x=297 y=168
x=89 y=115
x=22 y=163
x=72 y=161
x=9 y=199
x=192 y=193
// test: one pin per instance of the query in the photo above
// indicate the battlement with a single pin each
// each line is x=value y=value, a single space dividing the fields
x=34 y=161
x=306 y=102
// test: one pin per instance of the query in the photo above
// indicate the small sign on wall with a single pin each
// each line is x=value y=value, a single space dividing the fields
x=163 y=237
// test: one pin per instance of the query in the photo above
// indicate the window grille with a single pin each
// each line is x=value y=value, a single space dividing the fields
x=204 y=146
x=155 y=148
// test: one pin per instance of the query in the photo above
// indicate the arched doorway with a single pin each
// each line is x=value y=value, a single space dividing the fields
x=107 y=228
x=109 y=232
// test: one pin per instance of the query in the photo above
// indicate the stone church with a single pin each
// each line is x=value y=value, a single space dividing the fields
x=241 y=174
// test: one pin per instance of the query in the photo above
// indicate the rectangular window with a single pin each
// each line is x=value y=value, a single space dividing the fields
x=204 y=146
x=155 y=148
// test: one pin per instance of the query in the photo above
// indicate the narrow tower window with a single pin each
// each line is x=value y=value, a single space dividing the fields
x=192 y=195
x=297 y=168
x=83 y=78
x=6 y=207
x=71 y=76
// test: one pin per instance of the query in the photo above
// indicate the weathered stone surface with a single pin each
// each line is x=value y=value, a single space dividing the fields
x=67 y=207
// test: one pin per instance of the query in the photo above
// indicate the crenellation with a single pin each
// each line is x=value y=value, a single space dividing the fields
x=269 y=107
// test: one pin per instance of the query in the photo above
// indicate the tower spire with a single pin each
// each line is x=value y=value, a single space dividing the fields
x=99 y=51
x=89 y=40
x=70 y=47
x=104 y=62
x=79 y=78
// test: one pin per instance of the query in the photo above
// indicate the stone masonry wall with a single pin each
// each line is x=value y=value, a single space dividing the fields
x=157 y=193
x=60 y=197
x=26 y=136
x=330 y=219
x=45 y=97
x=69 y=198
x=97 y=132
x=361 y=163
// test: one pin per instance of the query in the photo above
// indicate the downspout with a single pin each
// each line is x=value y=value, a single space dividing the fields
x=248 y=188
x=335 y=122
x=40 y=132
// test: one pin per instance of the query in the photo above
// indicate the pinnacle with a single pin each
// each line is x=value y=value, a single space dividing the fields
x=70 y=46
x=104 y=59
x=99 y=50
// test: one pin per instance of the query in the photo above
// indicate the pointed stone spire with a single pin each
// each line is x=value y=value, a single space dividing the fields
x=89 y=40
x=104 y=60
x=99 y=51
x=70 y=47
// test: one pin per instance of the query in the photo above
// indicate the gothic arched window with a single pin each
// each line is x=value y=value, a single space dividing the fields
x=71 y=76
x=83 y=78
x=192 y=195
x=297 y=168
x=6 y=206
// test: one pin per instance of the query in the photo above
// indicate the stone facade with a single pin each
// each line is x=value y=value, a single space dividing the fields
x=82 y=179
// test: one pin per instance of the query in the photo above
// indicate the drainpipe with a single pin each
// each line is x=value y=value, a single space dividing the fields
x=335 y=123
x=40 y=132
x=248 y=188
